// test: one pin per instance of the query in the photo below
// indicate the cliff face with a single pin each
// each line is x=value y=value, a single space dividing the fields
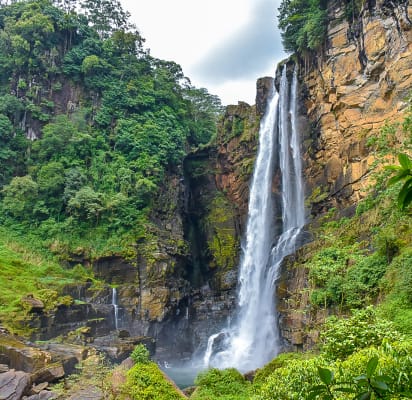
x=362 y=80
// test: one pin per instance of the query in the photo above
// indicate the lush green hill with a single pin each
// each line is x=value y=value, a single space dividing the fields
x=89 y=124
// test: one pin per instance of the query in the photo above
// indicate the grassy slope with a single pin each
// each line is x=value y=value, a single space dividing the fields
x=26 y=270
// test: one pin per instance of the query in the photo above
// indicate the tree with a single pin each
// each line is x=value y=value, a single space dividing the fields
x=106 y=16
x=303 y=24
x=204 y=111
x=86 y=205
x=20 y=196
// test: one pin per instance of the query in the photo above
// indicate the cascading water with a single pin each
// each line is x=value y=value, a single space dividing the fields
x=115 y=307
x=254 y=339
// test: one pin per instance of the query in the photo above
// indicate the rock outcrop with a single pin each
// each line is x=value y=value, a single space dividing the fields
x=362 y=79
x=359 y=83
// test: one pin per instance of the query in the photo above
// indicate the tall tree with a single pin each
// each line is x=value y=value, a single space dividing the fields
x=106 y=16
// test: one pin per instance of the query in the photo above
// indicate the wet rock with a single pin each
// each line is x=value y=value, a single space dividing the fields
x=359 y=83
x=20 y=356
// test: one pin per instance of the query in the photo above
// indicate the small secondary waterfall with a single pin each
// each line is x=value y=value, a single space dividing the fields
x=115 y=307
x=254 y=339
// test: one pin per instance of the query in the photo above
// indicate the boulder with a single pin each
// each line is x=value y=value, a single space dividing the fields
x=50 y=373
x=32 y=304
x=14 y=384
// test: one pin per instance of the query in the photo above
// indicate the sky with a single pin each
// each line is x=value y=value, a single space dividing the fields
x=222 y=45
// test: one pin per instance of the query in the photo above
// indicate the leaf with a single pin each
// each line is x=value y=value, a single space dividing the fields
x=405 y=161
x=377 y=384
x=326 y=375
x=402 y=174
x=345 y=390
x=371 y=367
x=404 y=193
x=361 y=378
x=363 y=396
x=313 y=394
x=408 y=199
x=392 y=168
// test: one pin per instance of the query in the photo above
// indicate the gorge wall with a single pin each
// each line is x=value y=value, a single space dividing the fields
x=362 y=79
x=360 y=82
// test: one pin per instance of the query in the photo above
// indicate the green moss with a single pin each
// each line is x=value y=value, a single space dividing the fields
x=223 y=244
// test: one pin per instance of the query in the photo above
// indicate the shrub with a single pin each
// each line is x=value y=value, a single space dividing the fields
x=140 y=354
x=227 y=384
x=291 y=381
x=145 y=381
x=343 y=337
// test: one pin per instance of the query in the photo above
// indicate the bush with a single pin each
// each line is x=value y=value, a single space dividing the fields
x=140 y=354
x=227 y=384
x=297 y=379
x=343 y=337
x=145 y=381
x=291 y=381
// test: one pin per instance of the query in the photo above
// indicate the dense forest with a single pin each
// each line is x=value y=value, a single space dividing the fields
x=91 y=128
x=90 y=123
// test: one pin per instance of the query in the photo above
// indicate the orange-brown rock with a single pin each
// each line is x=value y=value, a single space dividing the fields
x=361 y=81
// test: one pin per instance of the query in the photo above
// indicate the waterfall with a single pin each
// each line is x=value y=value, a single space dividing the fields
x=115 y=307
x=254 y=339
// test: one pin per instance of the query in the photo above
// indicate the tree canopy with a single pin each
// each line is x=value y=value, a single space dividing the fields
x=90 y=122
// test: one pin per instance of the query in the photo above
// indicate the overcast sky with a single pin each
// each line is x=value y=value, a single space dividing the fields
x=223 y=45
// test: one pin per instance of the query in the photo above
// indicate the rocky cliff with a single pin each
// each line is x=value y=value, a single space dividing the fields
x=360 y=82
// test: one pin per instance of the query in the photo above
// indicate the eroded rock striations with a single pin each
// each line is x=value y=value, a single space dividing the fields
x=361 y=81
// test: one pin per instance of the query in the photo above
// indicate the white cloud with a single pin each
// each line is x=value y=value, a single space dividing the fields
x=223 y=45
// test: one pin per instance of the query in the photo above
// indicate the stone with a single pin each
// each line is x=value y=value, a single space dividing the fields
x=88 y=392
x=36 y=389
x=4 y=368
x=32 y=304
x=14 y=384
x=50 y=373
x=43 y=395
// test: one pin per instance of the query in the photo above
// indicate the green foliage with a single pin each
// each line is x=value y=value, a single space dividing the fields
x=205 y=109
x=227 y=384
x=140 y=354
x=398 y=289
x=282 y=360
x=303 y=24
x=342 y=337
x=145 y=381
x=24 y=271
x=367 y=386
x=403 y=173
x=345 y=276
x=110 y=122
x=19 y=197
x=385 y=371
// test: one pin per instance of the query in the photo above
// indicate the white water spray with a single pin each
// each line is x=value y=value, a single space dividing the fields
x=115 y=307
x=254 y=338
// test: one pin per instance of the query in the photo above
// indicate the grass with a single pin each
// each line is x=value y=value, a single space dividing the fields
x=23 y=271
